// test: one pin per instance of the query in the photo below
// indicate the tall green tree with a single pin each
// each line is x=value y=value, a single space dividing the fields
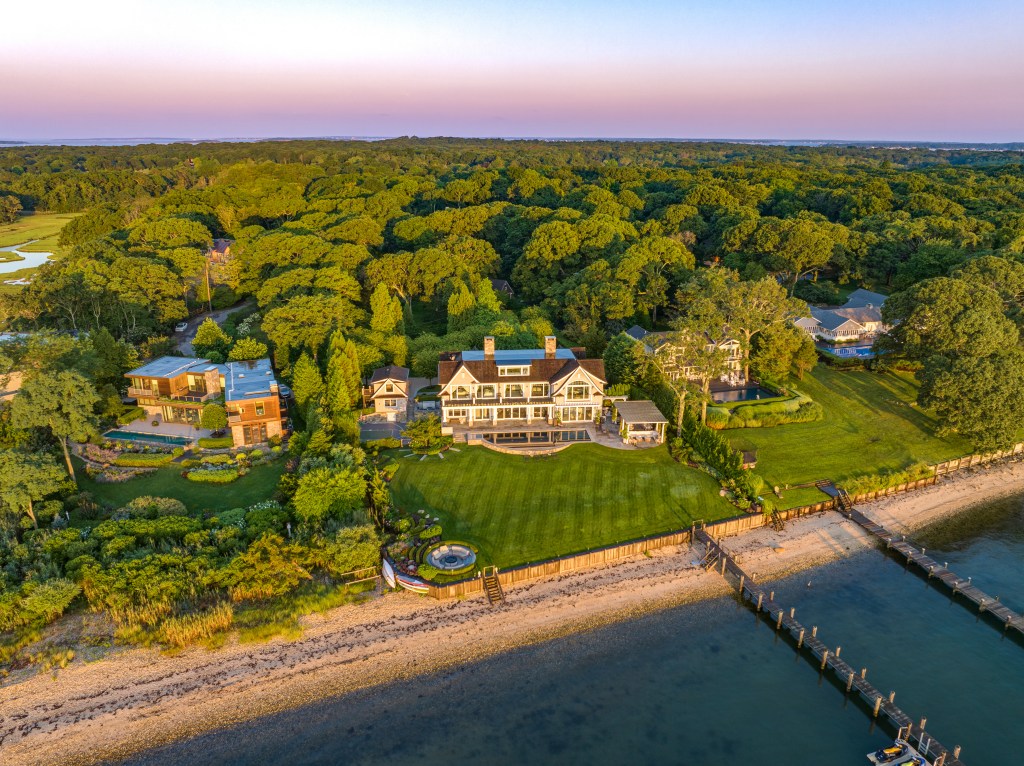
x=307 y=383
x=625 y=360
x=247 y=349
x=385 y=312
x=344 y=379
x=26 y=478
x=211 y=342
x=62 y=402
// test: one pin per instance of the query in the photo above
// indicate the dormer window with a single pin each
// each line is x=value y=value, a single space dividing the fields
x=518 y=370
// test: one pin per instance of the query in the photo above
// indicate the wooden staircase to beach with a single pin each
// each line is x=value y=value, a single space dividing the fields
x=492 y=586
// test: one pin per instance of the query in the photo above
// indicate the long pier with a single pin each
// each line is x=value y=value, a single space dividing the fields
x=764 y=602
x=917 y=556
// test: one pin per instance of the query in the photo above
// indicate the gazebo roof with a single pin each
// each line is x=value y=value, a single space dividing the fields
x=639 y=412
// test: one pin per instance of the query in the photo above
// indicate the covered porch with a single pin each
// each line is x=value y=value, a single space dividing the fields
x=640 y=423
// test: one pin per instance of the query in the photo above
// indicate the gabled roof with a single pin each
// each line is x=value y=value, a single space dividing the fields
x=643 y=411
x=222 y=245
x=542 y=368
x=391 y=372
x=636 y=332
x=502 y=285
x=861 y=298
x=830 y=319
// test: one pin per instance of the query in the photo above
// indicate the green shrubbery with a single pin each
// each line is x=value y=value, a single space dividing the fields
x=798 y=409
x=129 y=416
x=220 y=442
x=143 y=460
x=218 y=476
x=379 y=444
x=875 y=482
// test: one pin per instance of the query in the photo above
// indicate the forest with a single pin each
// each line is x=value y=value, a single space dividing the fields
x=350 y=255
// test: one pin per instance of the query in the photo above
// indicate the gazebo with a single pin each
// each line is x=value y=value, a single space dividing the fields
x=640 y=422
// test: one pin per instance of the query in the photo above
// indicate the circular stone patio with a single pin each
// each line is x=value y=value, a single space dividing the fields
x=451 y=556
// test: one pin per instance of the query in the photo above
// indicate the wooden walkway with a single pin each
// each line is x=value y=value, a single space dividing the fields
x=916 y=555
x=829 y=659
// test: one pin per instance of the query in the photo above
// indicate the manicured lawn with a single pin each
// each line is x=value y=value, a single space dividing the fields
x=870 y=426
x=257 y=485
x=42 y=226
x=520 y=509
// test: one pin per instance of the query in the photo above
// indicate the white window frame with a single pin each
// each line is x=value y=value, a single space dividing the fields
x=570 y=395
x=545 y=389
x=518 y=371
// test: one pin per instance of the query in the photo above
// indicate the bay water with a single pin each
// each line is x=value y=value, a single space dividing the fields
x=702 y=684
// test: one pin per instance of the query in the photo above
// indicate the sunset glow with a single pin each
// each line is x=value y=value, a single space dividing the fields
x=797 y=69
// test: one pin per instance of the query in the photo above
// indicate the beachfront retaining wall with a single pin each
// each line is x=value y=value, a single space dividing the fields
x=725 y=528
x=577 y=561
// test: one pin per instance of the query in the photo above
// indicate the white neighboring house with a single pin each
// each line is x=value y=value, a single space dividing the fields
x=550 y=385
x=859 y=320
x=389 y=392
x=653 y=341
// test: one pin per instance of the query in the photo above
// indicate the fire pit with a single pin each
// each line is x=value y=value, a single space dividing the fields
x=451 y=556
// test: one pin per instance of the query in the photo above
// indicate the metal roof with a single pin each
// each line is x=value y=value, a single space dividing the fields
x=172 y=367
x=249 y=380
x=517 y=356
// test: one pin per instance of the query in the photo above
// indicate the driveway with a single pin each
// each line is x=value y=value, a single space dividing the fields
x=185 y=338
x=370 y=431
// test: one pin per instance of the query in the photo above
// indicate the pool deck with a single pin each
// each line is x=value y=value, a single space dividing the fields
x=179 y=430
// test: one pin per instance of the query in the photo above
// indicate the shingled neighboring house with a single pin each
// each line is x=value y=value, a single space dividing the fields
x=654 y=341
x=492 y=388
x=857 y=320
x=389 y=392
x=503 y=286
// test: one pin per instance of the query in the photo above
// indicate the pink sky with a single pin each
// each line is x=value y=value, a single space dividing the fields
x=388 y=69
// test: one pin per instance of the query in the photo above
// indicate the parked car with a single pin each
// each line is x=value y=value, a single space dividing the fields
x=283 y=391
x=181 y=327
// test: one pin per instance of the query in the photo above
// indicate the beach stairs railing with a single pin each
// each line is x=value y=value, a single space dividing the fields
x=710 y=559
x=843 y=501
x=777 y=522
x=492 y=586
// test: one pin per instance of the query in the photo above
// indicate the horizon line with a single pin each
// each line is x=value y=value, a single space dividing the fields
x=889 y=142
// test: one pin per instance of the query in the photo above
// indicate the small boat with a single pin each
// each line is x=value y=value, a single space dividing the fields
x=890 y=754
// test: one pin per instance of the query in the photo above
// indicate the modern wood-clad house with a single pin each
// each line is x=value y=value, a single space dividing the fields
x=175 y=389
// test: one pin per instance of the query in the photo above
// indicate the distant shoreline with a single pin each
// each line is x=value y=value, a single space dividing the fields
x=137 y=699
x=1005 y=146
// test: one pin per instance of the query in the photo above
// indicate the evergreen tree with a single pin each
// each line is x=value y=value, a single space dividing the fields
x=344 y=381
x=307 y=384
x=461 y=305
x=386 y=312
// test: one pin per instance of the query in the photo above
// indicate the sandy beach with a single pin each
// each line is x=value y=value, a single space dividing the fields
x=138 y=698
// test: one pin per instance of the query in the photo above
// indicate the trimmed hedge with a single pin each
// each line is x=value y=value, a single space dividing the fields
x=388 y=443
x=213 y=476
x=220 y=442
x=129 y=416
x=143 y=460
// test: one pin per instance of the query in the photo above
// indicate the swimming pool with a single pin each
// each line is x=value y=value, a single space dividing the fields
x=139 y=436
x=748 y=394
x=848 y=352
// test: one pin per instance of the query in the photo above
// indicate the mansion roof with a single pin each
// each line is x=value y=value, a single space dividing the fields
x=542 y=368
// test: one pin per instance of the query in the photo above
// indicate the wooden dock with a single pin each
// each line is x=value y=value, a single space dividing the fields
x=936 y=570
x=828 y=658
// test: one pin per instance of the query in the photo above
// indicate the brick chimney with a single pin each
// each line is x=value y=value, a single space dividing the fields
x=489 y=347
x=550 y=344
